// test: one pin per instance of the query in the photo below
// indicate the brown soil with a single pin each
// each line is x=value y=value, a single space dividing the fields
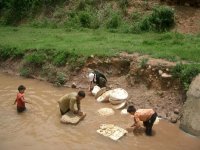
x=146 y=87
x=187 y=18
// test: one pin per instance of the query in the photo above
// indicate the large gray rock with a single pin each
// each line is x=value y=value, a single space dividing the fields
x=190 y=121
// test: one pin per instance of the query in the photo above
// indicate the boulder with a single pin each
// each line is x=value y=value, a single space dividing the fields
x=190 y=121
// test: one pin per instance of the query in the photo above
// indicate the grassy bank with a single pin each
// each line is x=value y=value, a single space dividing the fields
x=171 y=46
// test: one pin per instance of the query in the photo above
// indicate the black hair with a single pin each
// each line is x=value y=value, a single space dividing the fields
x=131 y=108
x=21 y=87
x=81 y=94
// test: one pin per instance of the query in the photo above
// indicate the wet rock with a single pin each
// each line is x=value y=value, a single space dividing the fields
x=190 y=120
x=73 y=85
x=162 y=115
x=176 y=111
x=174 y=118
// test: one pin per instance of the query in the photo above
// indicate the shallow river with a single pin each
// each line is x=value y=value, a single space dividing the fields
x=39 y=128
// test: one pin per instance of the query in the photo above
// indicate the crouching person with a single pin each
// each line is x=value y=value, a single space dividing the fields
x=97 y=78
x=148 y=116
x=67 y=102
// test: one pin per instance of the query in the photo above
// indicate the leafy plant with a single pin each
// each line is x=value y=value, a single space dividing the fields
x=186 y=72
x=35 y=59
x=25 y=72
x=114 y=21
x=6 y=53
x=61 y=78
x=85 y=19
x=162 y=18
x=143 y=62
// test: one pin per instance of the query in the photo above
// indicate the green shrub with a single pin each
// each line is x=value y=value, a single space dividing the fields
x=35 y=59
x=16 y=10
x=6 y=53
x=162 y=18
x=61 y=78
x=73 y=20
x=186 y=72
x=63 y=57
x=145 y=24
x=135 y=28
x=25 y=72
x=143 y=62
x=85 y=19
x=114 y=21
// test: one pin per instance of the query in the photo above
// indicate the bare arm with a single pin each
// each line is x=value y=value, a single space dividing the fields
x=90 y=87
x=136 y=122
x=15 y=102
x=25 y=100
x=78 y=105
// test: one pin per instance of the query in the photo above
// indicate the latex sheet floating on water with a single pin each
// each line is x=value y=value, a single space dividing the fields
x=111 y=131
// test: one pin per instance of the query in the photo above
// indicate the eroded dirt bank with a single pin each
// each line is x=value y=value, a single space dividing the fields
x=148 y=81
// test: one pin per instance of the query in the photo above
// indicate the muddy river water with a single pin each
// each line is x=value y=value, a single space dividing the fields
x=39 y=128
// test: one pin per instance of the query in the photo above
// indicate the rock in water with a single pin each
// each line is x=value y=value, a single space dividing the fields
x=190 y=121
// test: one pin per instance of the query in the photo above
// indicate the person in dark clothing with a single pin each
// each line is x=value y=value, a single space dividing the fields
x=97 y=78
x=148 y=116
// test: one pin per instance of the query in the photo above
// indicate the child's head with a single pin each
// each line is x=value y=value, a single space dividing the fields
x=21 y=88
x=81 y=95
x=131 y=109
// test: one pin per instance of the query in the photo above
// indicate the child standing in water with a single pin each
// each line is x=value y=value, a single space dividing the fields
x=20 y=99
x=148 y=116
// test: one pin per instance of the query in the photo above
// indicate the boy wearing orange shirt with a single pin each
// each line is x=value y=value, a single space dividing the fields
x=148 y=116
x=20 y=99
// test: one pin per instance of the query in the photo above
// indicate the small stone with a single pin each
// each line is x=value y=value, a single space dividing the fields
x=165 y=75
x=174 y=118
x=162 y=115
x=73 y=85
x=160 y=72
x=176 y=111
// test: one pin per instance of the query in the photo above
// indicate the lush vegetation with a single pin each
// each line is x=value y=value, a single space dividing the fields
x=186 y=72
x=171 y=46
x=53 y=33
x=91 y=14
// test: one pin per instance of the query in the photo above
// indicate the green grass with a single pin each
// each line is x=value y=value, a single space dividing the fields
x=171 y=46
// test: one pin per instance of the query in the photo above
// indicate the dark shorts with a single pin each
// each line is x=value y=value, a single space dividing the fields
x=102 y=82
x=149 y=123
x=21 y=109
